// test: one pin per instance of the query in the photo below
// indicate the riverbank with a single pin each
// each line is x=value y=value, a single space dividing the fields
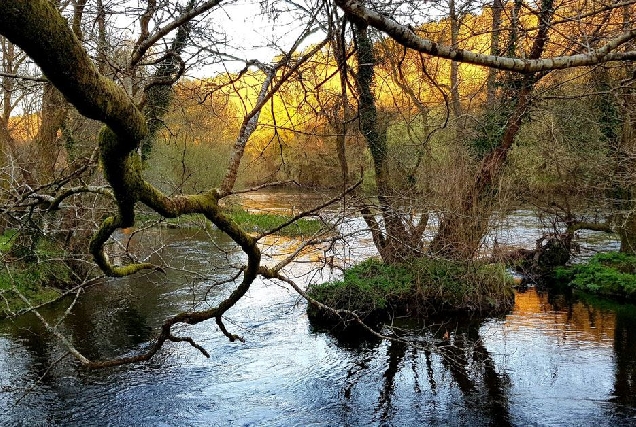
x=423 y=287
x=261 y=222
x=609 y=275
x=264 y=222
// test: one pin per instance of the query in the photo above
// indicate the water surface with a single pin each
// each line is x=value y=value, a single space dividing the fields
x=554 y=360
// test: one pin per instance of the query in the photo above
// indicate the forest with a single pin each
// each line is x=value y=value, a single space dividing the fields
x=428 y=121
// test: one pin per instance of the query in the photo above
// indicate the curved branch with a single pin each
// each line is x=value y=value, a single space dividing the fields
x=407 y=37
x=56 y=201
x=167 y=80
x=605 y=227
x=39 y=29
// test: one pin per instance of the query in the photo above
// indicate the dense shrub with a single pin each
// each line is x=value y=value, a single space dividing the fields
x=610 y=274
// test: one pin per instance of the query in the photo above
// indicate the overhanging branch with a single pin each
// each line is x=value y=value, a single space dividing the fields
x=407 y=37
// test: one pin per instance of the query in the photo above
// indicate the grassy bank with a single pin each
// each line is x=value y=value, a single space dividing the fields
x=263 y=222
x=32 y=284
x=250 y=222
x=420 y=288
x=611 y=274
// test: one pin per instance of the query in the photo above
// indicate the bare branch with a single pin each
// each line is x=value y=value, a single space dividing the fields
x=407 y=37
x=310 y=211
x=23 y=77
x=251 y=119
x=143 y=46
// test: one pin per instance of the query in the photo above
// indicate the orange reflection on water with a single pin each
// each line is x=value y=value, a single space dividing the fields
x=578 y=322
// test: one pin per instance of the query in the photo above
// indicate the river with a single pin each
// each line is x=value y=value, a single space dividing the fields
x=554 y=360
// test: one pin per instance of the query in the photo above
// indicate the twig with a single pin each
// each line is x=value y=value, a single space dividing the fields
x=311 y=211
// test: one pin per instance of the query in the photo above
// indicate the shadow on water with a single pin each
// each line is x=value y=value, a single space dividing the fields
x=624 y=344
x=555 y=360
x=625 y=349
x=460 y=364
x=484 y=390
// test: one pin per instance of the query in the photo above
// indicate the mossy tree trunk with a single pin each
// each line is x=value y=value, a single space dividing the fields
x=41 y=31
x=395 y=241
x=159 y=92
x=460 y=233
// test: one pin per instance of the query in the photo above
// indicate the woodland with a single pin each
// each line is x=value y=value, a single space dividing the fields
x=428 y=120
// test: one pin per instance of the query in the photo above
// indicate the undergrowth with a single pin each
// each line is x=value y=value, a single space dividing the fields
x=38 y=282
x=611 y=274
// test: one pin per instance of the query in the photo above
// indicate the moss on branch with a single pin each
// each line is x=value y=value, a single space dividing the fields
x=41 y=31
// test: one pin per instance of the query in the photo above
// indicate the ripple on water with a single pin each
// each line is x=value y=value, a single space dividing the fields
x=543 y=364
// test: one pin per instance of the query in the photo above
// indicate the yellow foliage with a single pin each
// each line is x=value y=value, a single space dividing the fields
x=24 y=128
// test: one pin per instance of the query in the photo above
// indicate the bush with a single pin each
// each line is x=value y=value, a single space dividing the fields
x=38 y=281
x=611 y=274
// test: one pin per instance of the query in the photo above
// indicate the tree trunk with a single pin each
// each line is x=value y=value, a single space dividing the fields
x=627 y=100
x=394 y=242
x=491 y=82
x=454 y=67
x=626 y=220
x=341 y=138
x=102 y=44
x=10 y=66
x=460 y=233
x=47 y=144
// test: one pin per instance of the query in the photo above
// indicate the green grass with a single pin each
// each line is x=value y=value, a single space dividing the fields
x=6 y=240
x=250 y=222
x=263 y=222
x=611 y=274
x=419 y=288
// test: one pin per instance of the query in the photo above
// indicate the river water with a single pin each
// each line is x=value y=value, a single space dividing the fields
x=553 y=360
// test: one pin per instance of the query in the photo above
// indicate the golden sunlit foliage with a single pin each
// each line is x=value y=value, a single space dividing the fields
x=297 y=129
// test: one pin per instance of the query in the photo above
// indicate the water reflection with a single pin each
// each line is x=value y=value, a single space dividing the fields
x=456 y=385
x=562 y=358
x=553 y=360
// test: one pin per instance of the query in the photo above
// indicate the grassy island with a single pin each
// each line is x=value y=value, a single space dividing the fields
x=419 y=288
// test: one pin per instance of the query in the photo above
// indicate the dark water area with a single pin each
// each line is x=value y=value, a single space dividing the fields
x=554 y=360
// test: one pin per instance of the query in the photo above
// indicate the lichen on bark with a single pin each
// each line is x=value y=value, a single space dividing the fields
x=39 y=29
